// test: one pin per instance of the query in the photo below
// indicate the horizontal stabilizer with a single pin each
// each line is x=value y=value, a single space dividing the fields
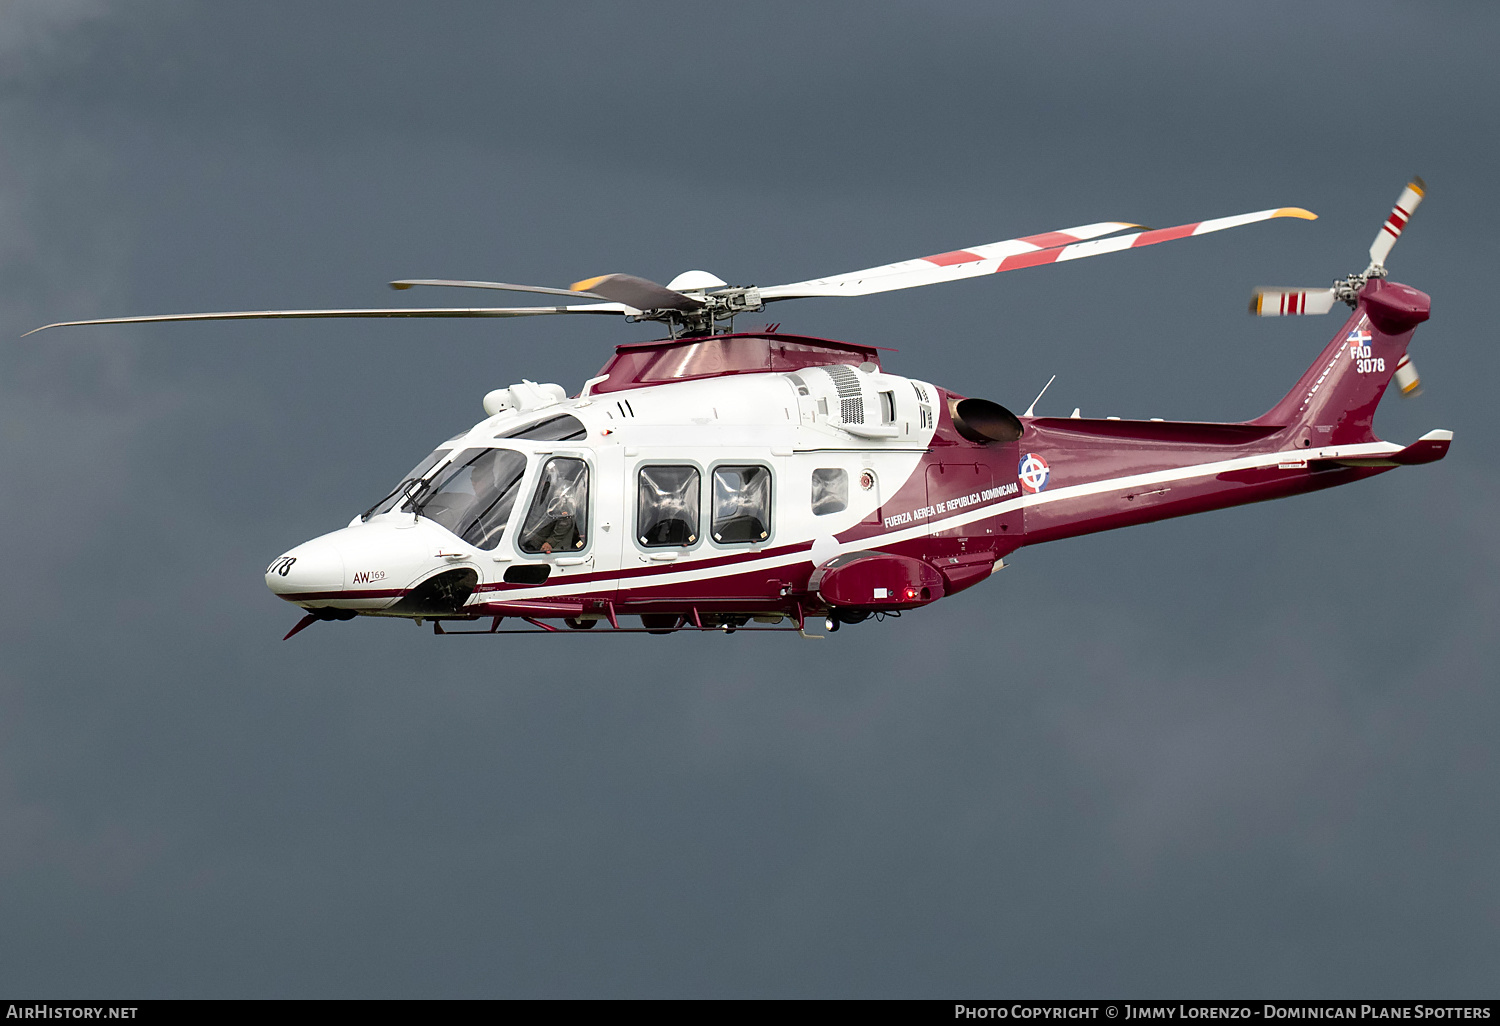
x=1430 y=448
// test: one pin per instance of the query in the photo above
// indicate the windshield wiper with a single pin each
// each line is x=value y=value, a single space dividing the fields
x=417 y=494
x=412 y=487
x=367 y=514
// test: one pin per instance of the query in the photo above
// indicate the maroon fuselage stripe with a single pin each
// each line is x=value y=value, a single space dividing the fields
x=308 y=596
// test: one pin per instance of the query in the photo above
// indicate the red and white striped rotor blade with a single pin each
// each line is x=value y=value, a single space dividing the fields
x=1405 y=206
x=905 y=274
x=1291 y=302
x=974 y=262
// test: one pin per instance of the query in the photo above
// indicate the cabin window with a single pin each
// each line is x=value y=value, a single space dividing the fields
x=558 y=518
x=474 y=495
x=667 y=506
x=742 y=504
x=830 y=491
x=562 y=428
x=408 y=483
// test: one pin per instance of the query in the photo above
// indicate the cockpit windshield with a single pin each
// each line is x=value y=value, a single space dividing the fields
x=562 y=428
x=402 y=490
x=473 y=495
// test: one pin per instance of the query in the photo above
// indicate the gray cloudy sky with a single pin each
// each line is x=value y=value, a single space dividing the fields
x=1248 y=753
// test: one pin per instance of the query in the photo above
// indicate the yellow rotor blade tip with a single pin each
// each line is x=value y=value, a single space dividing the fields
x=1306 y=215
x=587 y=283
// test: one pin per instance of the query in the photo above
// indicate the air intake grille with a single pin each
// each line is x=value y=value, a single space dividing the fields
x=851 y=402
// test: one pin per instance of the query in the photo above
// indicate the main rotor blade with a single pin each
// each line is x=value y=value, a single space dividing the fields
x=409 y=282
x=1273 y=302
x=254 y=315
x=1406 y=205
x=637 y=292
x=954 y=266
x=846 y=284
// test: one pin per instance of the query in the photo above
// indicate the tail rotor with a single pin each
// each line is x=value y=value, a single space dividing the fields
x=1290 y=302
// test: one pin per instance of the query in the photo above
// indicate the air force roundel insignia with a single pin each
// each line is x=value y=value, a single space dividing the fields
x=1033 y=473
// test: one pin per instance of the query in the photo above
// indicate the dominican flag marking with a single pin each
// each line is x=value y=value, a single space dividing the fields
x=1033 y=473
x=1358 y=337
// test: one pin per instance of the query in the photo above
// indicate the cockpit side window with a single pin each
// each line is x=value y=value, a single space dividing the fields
x=558 y=518
x=473 y=498
x=562 y=428
x=742 y=504
x=667 y=506
x=830 y=491
x=408 y=482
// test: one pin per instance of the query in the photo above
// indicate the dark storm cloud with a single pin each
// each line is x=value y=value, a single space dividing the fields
x=1241 y=753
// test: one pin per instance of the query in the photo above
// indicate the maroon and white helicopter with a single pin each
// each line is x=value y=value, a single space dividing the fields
x=713 y=480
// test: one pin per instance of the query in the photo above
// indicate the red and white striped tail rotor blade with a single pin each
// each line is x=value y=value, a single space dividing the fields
x=1405 y=206
x=950 y=266
x=1292 y=302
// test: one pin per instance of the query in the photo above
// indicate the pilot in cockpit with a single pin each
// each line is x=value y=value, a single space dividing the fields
x=558 y=530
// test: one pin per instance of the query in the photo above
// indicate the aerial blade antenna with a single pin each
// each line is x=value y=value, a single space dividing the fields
x=1031 y=410
x=302 y=625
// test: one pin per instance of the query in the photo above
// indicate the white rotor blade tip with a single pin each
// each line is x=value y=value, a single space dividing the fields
x=1395 y=224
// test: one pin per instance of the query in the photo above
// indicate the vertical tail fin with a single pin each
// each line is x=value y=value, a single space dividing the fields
x=1334 y=402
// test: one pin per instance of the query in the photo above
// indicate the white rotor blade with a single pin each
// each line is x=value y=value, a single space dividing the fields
x=1406 y=204
x=254 y=315
x=1289 y=302
x=1008 y=256
x=407 y=283
x=860 y=283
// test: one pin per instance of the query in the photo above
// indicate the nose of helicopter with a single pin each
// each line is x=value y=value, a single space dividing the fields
x=312 y=568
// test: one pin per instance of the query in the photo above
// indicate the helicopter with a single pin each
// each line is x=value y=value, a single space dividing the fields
x=712 y=480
